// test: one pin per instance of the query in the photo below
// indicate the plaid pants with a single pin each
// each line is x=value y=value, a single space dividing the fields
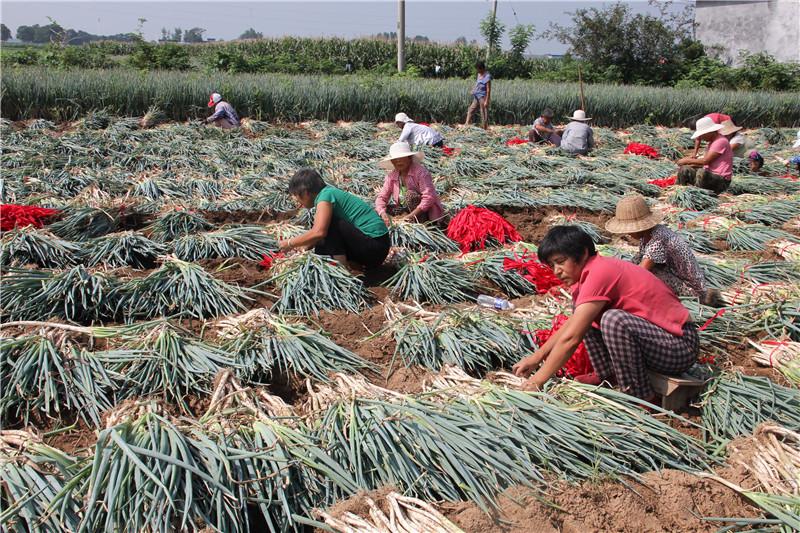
x=626 y=346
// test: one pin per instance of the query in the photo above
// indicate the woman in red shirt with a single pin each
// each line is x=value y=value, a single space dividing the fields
x=629 y=320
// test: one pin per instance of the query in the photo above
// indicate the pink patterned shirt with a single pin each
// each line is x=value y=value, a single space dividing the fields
x=418 y=180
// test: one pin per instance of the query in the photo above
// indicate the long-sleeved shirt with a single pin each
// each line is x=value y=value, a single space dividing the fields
x=418 y=180
x=414 y=133
x=224 y=111
x=577 y=138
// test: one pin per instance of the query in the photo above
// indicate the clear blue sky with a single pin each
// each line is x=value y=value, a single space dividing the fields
x=440 y=21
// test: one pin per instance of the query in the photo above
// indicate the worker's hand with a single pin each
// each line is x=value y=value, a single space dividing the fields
x=525 y=366
x=682 y=160
x=486 y=103
x=284 y=246
x=386 y=219
x=532 y=385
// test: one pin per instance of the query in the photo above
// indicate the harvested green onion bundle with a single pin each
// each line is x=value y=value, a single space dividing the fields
x=773 y=272
x=429 y=279
x=267 y=345
x=720 y=274
x=33 y=474
x=783 y=355
x=587 y=227
x=167 y=362
x=699 y=240
x=175 y=224
x=87 y=223
x=491 y=265
x=692 y=198
x=424 y=448
x=76 y=295
x=421 y=237
x=28 y=245
x=126 y=249
x=735 y=404
x=753 y=237
x=311 y=283
x=50 y=376
x=474 y=339
x=179 y=288
x=577 y=432
x=246 y=242
x=771 y=213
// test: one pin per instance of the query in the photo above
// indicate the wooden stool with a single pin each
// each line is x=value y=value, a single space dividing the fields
x=675 y=391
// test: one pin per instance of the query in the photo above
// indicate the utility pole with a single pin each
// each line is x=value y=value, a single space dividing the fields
x=401 y=35
x=494 y=21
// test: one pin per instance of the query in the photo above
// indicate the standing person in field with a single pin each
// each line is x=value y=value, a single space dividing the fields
x=345 y=227
x=628 y=319
x=409 y=187
x=481 y=95
x=578 y=137
x=543 y=129
x=224 y=114
x=715 y=170
x=417 y=134
x=661 y=251
x=716 y=118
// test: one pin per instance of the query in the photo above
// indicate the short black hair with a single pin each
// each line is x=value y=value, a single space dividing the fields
x=480 y=65
x=306 y=180
x=571 y=241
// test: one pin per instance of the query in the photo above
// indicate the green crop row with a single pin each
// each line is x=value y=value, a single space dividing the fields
x=63 y=95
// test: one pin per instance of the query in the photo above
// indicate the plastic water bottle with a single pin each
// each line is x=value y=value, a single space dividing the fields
x=495 y=303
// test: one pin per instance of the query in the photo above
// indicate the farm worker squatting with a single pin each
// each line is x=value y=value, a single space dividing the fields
x=716 y=118
x=578 y=137
x=543 y=129
x=224 y=114
x=629 y=320
x=715 y=170
x=417 y=134
x=345 y=227
x=409 y=186
x=481 y=95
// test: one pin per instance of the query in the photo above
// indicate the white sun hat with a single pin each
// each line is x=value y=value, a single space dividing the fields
x=580 y=116
x=797 y=142
x=705 y=125
x=402 y=117
x=398 y=150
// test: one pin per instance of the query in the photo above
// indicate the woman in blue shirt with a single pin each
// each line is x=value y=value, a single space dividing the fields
x=481 y=95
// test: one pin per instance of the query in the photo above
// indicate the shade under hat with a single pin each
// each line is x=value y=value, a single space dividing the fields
x=633 y=215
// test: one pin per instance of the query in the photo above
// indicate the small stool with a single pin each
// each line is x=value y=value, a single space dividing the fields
x=676 y=391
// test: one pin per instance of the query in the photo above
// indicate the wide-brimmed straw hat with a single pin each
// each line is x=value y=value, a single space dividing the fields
x=728 y=127
x=398 y=150
x=402 y=117
x=705 y=125
x=580 y=116
x=633 y=215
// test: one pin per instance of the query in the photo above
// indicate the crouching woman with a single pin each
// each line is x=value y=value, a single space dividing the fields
x=345 y=227
x=629 y=320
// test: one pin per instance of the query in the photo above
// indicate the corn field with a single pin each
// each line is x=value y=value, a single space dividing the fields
x=66 y=95
x=165 y=369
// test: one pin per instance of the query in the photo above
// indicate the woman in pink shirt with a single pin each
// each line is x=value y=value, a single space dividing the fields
x=629 y=320
x=715 y=170
x=716 y=118
x=408 y=189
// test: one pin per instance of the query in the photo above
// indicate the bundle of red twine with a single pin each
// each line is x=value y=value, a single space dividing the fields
x=642 y=149
x=13 y=215
x=473 y=225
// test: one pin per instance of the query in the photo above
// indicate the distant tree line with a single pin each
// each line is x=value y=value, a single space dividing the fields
x=54 y=32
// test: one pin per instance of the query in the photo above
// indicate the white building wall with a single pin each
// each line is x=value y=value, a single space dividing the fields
x=771 y=26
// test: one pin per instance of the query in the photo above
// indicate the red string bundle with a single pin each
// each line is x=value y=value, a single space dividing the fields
x=13 y=215
x=448 y=151
x=516 y=140
x=531 y=269
x=642 y=149
x=473 y=225
x=664 y=182
x=579 y=362
x=269 y=258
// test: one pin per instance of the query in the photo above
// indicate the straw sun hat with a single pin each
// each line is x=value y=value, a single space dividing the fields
x=398 y=150
x=633 y=215
x=728 y=127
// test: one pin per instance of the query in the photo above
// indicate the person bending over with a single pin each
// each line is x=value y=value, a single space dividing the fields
x=224 y=114
x=417 y=134
x=345 y=227
x=409 y=187
x=629 y=320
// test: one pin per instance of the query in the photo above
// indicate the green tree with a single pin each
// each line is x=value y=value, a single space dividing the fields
x=492 y=31
x=194 y=35
x=177 y=35
x=520 y=36
x=637 y=48
x=5 y=33
x=25 y=34
x=250 y=33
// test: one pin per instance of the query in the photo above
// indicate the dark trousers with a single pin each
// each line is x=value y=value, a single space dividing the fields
x=439 y=144
x=345 y=239
x=703 y=178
